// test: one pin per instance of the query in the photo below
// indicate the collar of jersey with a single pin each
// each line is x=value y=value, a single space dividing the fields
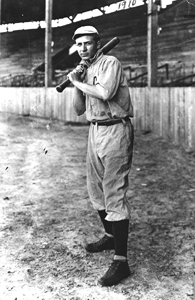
x=92 y=60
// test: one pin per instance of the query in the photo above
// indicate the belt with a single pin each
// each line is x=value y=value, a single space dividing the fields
x=110 y=122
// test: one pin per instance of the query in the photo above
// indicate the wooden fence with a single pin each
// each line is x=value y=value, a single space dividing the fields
x=39 y=102
x=168 y=112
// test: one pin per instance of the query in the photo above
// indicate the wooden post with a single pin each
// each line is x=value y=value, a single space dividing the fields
x=194 y=280
x=48 y=40
x=0 y=25
x=152 y=51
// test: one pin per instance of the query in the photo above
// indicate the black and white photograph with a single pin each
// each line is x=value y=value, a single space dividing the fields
x=97 y=150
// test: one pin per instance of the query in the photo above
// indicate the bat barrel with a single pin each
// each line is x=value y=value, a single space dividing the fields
x=110 y=45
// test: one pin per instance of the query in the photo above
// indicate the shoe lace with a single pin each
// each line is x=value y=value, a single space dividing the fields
x=113 y=267
x=102 y=240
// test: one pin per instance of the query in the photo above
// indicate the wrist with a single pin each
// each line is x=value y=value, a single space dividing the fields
x=77 y=83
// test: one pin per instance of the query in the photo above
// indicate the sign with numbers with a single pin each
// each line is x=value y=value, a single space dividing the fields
x=129 y=3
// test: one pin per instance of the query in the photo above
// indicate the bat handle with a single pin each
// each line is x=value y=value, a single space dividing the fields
x=66 y=82
x=62 y=86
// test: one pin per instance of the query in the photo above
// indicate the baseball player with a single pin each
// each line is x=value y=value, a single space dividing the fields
x=101 y=91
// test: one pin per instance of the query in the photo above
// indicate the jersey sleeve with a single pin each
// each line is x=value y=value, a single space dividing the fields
x=109 y=76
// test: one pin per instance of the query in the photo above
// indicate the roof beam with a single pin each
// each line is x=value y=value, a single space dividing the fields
x=71 y=18
x=102 y=11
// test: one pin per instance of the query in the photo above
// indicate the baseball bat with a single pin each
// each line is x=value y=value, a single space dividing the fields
x=105 y=49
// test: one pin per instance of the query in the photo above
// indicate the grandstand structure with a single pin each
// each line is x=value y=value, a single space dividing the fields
x=166 y=109
x=22 y=52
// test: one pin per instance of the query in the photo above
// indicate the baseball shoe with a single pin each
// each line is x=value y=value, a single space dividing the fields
x=105 y=243
x=117 y=271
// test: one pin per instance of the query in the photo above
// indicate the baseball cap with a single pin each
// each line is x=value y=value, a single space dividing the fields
x=84 y=30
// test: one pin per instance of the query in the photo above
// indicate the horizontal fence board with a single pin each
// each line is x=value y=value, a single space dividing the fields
x=168 y=112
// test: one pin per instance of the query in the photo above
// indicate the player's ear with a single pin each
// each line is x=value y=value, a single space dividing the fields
x=98 y=45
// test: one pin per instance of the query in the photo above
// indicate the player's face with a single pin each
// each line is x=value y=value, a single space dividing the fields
x=86 y=46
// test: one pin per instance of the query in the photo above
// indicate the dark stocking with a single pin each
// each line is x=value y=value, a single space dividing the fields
x=120 y=232
x=107 y=225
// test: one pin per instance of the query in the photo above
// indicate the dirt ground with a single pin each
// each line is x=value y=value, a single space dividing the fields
x=46 y=218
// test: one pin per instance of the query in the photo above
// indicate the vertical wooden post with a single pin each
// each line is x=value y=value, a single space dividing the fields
x=152 y=51
x=48 y=40
x=0 y=24
x=194 y=280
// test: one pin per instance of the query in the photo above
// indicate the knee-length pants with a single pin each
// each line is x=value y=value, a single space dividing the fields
x=109 y=158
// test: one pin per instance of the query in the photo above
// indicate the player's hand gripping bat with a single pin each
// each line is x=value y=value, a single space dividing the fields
x=105 y=49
